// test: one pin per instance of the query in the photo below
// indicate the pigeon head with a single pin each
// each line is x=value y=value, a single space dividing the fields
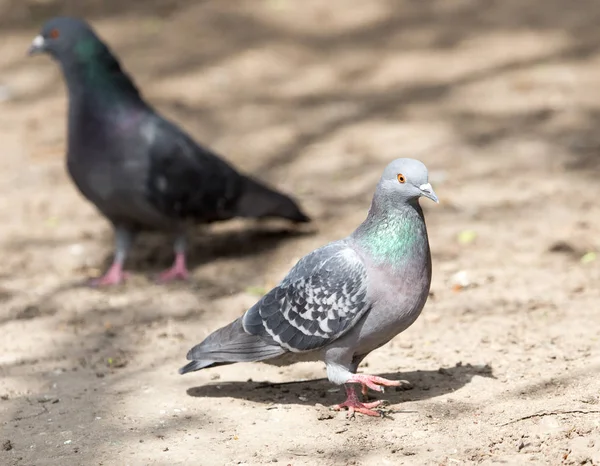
x=87 y=62
x=405 y=180
x=66 y=39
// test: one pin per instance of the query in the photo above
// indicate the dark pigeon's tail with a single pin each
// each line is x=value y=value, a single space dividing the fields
x=259 y=201
x=228 y=345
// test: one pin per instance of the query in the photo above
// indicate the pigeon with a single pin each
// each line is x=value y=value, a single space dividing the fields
x=343 y=300
x=140 y=170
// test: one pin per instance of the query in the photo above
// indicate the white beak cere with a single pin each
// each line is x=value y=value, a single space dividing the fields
x=427 y=191
x=37 y=42
x=37 y=46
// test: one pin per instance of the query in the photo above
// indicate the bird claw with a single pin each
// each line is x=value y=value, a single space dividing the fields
x=173 y=274
x=373 y=382
x=354 y=406
x=177 y=272
x=114 y=276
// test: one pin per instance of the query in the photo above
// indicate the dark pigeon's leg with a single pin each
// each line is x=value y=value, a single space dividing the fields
x=179 y=270
x=354 y=405
x=115 y=274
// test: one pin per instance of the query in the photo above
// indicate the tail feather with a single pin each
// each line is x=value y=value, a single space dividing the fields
x=229 y=345
x=197 y=365
x=259 y=201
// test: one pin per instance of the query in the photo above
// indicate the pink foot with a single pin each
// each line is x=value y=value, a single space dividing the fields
x=178 y=272
x=114 y=276
x=353 y=404
x=373 y=382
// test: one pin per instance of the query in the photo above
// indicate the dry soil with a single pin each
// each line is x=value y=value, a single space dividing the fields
x=501 y=99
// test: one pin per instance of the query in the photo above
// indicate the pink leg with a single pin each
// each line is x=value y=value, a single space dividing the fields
x=373 y=382
x=354 y=405
x=178 y=271
x=365 y=390
x=114 y=276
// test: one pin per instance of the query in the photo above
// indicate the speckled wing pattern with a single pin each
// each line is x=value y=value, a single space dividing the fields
x=322 y=297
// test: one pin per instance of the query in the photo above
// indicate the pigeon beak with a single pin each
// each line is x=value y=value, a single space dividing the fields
x=427 y=191
x=37 y=46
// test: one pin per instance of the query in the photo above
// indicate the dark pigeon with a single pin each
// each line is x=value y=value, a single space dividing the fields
x=344 y=300
x=140 y=170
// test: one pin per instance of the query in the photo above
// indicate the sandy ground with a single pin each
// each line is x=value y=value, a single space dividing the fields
x=501 y=100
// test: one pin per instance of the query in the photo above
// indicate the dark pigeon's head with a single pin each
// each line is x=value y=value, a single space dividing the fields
x=406 y=180
x=64 y=38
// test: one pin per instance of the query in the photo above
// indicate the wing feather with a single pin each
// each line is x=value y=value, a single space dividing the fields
x=322 y=297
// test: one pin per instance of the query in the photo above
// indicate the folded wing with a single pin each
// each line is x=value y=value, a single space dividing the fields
x=320 y=300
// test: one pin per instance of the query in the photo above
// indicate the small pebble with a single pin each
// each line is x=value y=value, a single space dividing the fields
x=76 y=249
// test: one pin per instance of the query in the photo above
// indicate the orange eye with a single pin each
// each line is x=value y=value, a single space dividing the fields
x=401 y=178
x=54 y=34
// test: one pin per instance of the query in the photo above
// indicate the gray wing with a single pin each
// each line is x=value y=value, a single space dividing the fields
x=322 y=297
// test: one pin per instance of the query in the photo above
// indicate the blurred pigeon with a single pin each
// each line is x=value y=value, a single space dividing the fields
x=140 y=170
x=344 y=300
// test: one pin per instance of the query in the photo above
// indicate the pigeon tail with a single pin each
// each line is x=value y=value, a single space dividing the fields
x=259 y=201
x=197 y=365
x=228 y=345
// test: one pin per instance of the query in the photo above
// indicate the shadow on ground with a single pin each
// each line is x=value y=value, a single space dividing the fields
x=423 y=385
x=447 y=28
x=98 y=342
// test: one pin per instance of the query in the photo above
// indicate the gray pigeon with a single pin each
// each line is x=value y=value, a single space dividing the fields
x=140 y=170
x=343 y=300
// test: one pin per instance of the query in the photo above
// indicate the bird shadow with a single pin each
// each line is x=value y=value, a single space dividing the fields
x=154 y=251
x=419 y=385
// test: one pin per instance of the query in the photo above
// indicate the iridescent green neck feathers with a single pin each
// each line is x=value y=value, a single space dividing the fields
x=100 y=70
x=393 y=236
